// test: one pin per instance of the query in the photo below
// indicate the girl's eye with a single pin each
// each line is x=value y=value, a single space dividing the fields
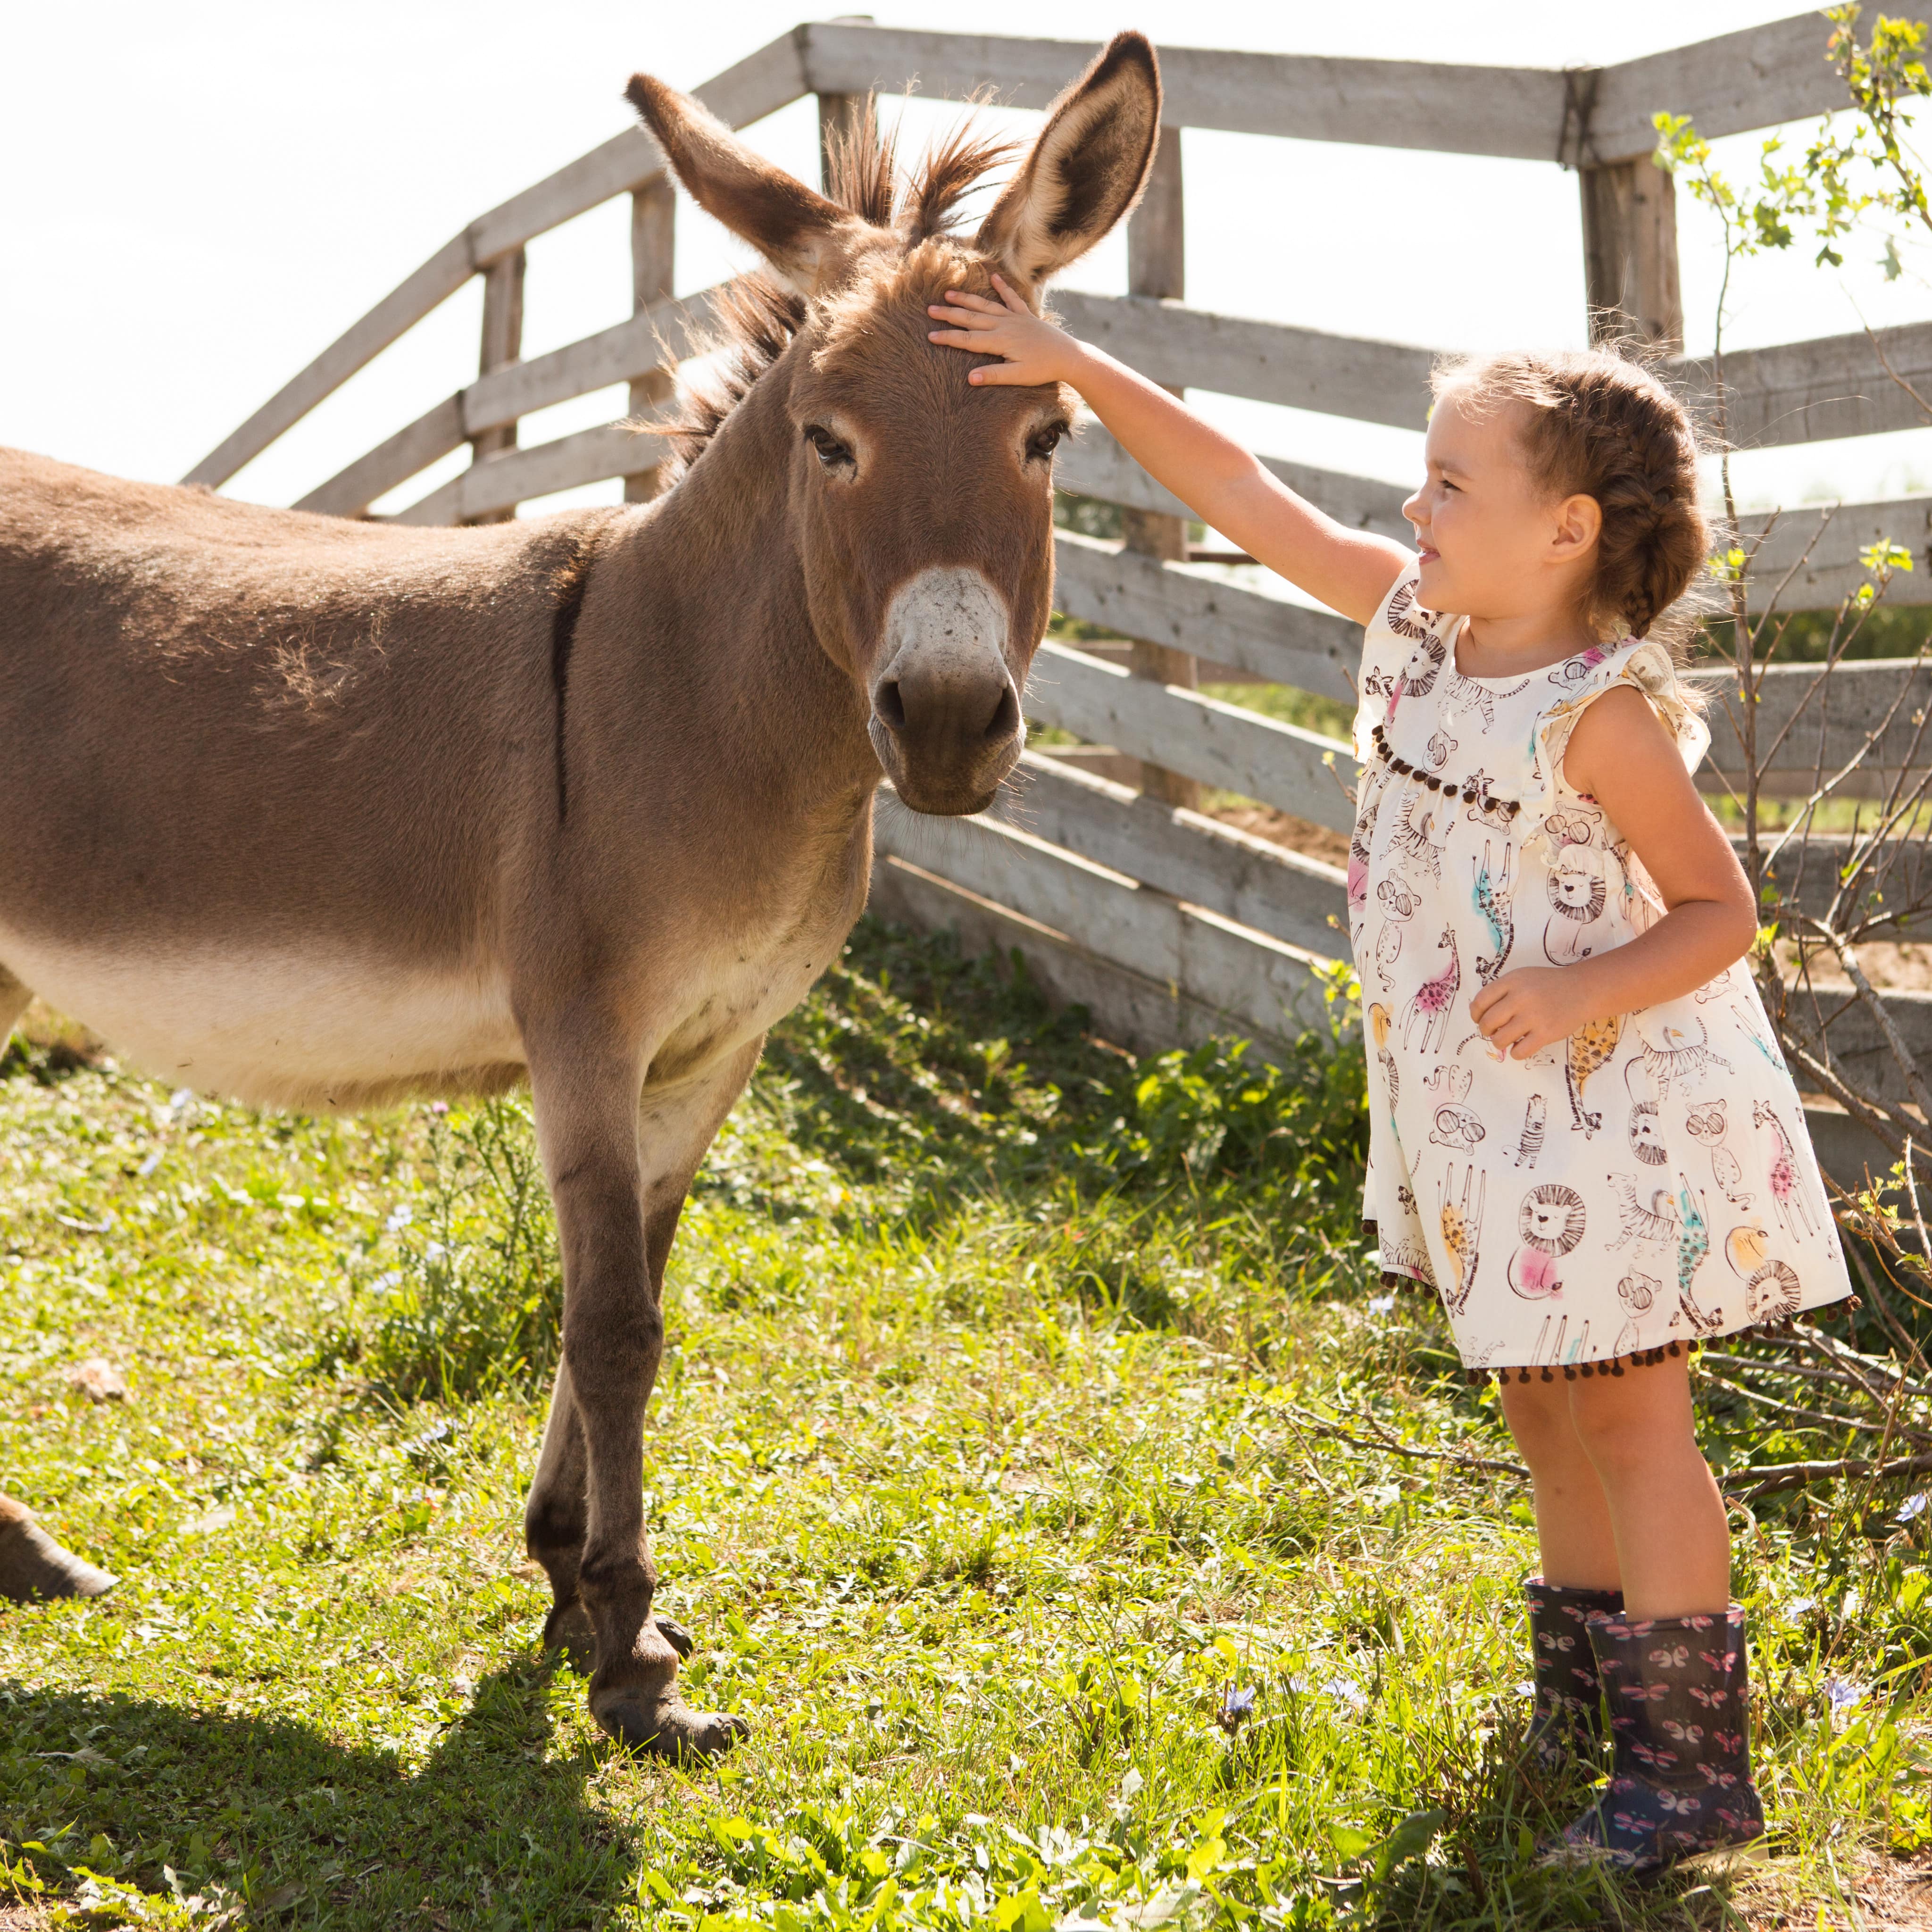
x=832 y=453
x=1042 y=444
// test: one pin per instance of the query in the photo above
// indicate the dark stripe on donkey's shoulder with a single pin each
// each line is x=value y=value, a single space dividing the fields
x=569 y=579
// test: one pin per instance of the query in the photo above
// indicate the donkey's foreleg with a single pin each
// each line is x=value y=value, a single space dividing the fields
x=617 y=1209
x=555 y=1520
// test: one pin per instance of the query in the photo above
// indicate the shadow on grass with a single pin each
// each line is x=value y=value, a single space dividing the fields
x=490 y=1831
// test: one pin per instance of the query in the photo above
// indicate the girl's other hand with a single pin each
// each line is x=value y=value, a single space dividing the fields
x=1033 y=351
x=1523 y=1011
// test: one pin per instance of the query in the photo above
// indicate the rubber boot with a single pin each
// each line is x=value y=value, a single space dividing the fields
x=1680 y=1785
x=1568 y=1720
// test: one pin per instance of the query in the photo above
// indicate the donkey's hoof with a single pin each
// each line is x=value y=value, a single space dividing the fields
x=567 y=1631
x=665 y=1727
x=32 y=1565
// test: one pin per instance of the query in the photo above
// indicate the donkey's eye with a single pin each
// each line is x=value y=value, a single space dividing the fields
x=832 y=453
x=1042 y=444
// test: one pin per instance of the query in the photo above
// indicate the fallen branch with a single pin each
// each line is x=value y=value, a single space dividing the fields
x=1768 y=1478
x=1487 y=1465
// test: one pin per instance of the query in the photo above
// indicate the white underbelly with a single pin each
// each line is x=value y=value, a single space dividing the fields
x=273 y=1028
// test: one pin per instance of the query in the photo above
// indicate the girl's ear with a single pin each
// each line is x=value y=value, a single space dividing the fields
x=1087 y=169
x=1579 y=522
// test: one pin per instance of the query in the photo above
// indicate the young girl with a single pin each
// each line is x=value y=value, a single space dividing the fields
x=1582 y=1134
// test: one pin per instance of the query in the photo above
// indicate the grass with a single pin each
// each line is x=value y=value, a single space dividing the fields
x=1022 y=1403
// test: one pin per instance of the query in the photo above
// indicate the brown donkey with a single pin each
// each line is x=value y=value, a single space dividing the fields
x=318 y=813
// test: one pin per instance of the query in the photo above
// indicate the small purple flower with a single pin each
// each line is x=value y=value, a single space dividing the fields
x=1236 y=1705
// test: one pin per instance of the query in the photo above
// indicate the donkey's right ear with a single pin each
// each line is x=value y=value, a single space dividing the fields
x=1086 y=170
x=790 y=224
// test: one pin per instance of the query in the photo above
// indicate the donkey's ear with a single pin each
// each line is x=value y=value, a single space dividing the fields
x=792 y=226
x=1087 y=167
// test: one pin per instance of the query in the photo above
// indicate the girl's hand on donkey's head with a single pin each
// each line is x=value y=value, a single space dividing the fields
x=1033 y=352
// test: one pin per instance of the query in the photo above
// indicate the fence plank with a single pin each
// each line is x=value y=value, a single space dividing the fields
x=1191 y=856
x=1264 y=985
x=1180 y=605
x=502 y=482
x=1218 y=744
x=622 y=353
x=1757 y=78
x=1830 y=726
x=1270 y=361
x=1833 y=385
x=1474 y=110
x=411 y=450
x=760 y=84
x=433 y=284
x=1831 y=571
x=1092 y=463
x=502 y=349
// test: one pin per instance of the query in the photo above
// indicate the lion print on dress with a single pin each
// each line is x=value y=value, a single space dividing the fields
x=1772 y=1288
x=1588 y=1050
x=1432 y=1001
x=1462 y=1222
x=1787 y=1190
x=1551 y=1222
x=1577 y=897
x=1492 y=899
x=1706 y=1125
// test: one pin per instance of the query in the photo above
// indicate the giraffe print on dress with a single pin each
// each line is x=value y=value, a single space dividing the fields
x=1591 y=1047
x=1432 y=1001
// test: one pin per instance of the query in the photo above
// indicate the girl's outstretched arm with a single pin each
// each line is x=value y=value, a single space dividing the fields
x=1622 y=756
x=1350 y=570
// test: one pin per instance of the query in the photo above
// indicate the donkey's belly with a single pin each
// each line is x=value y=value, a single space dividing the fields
x=309 y=1028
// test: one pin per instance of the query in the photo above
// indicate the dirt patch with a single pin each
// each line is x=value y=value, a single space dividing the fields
x=1890 y=1895
x=1298 y=834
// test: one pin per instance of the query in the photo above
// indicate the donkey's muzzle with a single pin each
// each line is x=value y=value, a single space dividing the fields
x=945 y=712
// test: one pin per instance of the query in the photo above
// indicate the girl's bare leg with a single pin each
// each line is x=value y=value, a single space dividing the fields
x=1573 y=1530
x=1672 y=1541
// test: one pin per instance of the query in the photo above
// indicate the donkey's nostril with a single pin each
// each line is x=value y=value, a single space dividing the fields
x=1005 y=719
x=888 y=705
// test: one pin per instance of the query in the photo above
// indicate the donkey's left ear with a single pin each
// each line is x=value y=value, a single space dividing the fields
x=795 y=228
x=1087 y=169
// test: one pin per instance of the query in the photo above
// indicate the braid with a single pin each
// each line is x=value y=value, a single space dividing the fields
x=1598 y=424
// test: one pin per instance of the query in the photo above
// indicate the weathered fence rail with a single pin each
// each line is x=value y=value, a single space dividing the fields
x=1166 y=920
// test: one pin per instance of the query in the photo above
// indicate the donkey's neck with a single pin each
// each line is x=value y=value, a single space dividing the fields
x=728 y=589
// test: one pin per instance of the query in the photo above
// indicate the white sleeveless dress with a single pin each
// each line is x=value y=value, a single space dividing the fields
x=1644 y=1184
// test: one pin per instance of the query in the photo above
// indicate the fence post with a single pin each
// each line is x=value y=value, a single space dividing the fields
x=841 y=114
x=1630 y=252
x=653 y=265
x=1156 y=265
x=502 y=344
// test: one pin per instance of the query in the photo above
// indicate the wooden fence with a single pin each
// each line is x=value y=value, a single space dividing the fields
x=1168 y=922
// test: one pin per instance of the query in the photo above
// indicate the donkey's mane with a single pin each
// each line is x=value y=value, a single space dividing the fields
x=756 y=316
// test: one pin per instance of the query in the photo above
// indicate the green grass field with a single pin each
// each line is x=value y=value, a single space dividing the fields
x=1021 y=1403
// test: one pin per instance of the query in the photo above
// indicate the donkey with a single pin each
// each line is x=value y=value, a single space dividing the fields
x=319 y=813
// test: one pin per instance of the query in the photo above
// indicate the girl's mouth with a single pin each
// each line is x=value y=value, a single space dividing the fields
x=1426 y=555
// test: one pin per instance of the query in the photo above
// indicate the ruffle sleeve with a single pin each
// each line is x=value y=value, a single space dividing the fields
x=1648 y=667
x=1402 y=645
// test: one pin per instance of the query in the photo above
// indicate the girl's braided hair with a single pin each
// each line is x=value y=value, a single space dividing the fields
x=1597 y=423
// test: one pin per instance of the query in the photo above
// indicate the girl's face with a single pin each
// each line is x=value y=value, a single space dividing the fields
x=1492 y=544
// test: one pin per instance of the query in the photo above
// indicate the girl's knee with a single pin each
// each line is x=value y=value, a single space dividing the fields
x=1538 y=1415
x=1633 y=1428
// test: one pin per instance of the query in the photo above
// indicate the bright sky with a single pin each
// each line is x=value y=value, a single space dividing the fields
x=198 y=198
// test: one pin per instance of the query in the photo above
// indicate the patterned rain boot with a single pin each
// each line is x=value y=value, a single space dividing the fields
x=1680 y=1719
x=1567 y=1722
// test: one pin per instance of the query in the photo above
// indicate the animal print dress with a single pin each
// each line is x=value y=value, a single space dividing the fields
x=1649 y=1180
